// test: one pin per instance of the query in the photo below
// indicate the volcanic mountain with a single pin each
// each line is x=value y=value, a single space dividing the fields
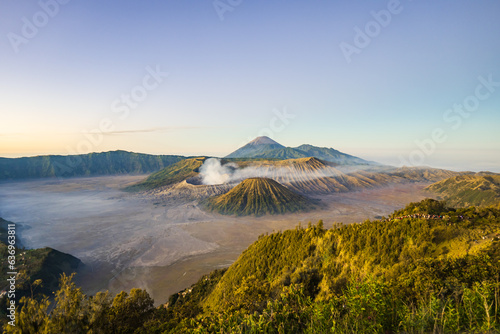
x=266 y=148
x=258 y=146
x=258 y=196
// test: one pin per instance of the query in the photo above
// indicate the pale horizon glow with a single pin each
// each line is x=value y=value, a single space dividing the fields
x=173 y=78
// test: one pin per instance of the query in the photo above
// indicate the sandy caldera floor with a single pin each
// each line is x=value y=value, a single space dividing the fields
x=129 y=240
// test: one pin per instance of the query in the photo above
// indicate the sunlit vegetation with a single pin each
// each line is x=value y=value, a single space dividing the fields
x=75 y=312
x=426 y=269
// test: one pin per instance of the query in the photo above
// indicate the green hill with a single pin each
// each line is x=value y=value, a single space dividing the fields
x=395 y=249
x=481 y=189
x=175 y=173
x=92 y=164
x=45 y=264
x=258 y=196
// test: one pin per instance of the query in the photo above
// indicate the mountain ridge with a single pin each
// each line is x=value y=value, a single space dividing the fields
x=265 y=147
x=91 y=164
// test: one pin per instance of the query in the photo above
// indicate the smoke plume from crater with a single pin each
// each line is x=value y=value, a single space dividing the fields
x=214 y=172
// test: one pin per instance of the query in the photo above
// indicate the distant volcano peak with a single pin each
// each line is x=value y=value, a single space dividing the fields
x=265 y=148
x=259 y=145
x=264 y=140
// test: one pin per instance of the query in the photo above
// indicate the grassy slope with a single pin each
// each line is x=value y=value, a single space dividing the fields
x=414 y=255
x=258 y=196
x=170 y=175
x=481 y=189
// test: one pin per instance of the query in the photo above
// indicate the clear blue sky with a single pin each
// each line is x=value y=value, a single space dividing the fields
x=76 y=77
